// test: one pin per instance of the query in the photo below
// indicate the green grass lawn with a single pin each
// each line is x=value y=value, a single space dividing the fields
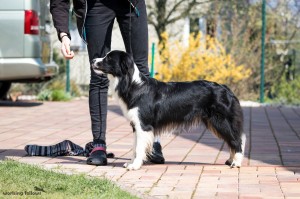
x=18 y=180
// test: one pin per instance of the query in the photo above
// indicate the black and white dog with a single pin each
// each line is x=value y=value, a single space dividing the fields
x=155 y=107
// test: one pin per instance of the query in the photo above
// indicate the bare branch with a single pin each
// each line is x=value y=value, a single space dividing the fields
x=174 y=9
x=184 y=13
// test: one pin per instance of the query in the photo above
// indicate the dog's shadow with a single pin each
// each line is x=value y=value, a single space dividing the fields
x=148 y=164
x=209 y=140
x=115 y=109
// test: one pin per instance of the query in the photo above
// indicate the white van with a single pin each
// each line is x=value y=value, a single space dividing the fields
x=25 y=47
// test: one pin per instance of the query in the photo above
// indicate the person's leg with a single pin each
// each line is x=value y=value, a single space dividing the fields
x=98 y=29
x=156 y=156
x=134 y=30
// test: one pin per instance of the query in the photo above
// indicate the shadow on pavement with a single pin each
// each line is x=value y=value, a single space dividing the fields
x=271 y=138
x=20 y=153
x=115 y=108
x=19 y=103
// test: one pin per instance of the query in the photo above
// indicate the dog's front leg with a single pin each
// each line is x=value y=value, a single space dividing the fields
x=144 y=141
x=133 y=148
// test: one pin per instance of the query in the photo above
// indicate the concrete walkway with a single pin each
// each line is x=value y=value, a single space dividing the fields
x=194 y=161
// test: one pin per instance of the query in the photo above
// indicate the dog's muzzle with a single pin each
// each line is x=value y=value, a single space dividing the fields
x=93 y=62
x=96 y=63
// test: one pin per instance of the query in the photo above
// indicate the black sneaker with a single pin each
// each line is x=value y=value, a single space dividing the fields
x=89 y=147
x=98 y=155
x=156 y=156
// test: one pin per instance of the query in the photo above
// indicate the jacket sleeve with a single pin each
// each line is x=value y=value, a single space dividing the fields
x=60 y=16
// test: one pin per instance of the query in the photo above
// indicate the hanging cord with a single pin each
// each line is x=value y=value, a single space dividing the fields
x=130 y=49
x=137 y=13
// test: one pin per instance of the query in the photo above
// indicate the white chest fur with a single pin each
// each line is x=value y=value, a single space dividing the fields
x=113 y=83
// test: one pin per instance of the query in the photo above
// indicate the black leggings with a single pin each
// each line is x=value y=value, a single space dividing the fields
x=98 y=26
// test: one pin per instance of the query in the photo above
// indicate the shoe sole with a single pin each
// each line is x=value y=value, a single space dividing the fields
x=95 y=162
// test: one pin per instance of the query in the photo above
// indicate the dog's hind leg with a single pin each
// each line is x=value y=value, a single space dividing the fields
x=239 y=155
x=233 y=136
x=236 y=156
x=230 y=160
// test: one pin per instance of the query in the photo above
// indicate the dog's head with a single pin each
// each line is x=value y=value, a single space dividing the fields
x=115 y=63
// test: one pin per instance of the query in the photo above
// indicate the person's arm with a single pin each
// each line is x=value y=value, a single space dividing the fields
x=60 y=16
x=65 y=46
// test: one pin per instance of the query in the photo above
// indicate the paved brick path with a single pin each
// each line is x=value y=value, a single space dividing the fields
x=194 y=161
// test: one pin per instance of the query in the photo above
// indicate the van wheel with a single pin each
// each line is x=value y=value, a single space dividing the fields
x=4 y=88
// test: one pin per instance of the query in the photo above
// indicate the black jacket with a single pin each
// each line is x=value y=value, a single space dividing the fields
x=60 y=15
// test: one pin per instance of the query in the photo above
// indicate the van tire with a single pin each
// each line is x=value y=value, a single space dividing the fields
x=4 y=88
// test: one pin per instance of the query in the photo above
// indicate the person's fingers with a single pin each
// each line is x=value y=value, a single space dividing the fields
x=71 y=55
x=65 y=48
x=68 y=56
x=64 y=51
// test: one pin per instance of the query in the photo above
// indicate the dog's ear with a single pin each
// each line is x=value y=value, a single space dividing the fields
x=126 y=63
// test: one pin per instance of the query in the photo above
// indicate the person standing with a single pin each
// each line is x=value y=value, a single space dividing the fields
x=95 y=19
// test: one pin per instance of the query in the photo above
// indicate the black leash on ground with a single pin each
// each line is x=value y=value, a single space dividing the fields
x=64 y=148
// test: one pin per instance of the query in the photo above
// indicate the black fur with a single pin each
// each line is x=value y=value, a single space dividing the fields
x=176 y=104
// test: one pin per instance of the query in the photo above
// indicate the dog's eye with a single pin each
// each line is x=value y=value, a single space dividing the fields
x=108 y=58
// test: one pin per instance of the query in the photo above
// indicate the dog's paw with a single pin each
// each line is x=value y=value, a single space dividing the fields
x=125 y=165
x=237 y=160
x=229 y=162
x=235 y=164
x=132 y=166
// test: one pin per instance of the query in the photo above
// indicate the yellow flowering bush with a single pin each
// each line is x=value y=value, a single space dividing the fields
x=204 y=58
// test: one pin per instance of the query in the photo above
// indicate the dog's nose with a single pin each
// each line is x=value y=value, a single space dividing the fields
x=93 y=62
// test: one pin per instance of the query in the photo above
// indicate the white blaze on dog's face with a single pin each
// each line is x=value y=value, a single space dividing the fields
x=119 y=67
x=96 y=64
x=117 y=64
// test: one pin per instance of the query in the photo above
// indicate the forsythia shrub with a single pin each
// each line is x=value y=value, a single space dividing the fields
x=204 y=58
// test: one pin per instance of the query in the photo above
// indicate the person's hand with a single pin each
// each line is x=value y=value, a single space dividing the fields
x=65 y=47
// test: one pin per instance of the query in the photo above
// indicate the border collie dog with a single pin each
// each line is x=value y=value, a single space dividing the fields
x=155 y=107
